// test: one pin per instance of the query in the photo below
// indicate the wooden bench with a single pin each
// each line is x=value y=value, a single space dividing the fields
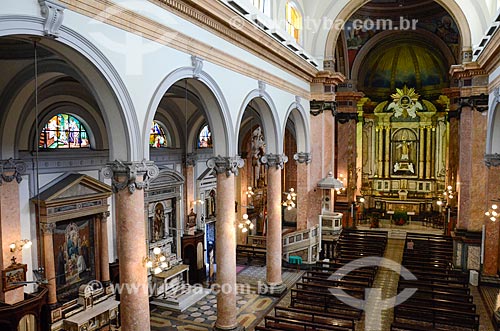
x=251 y=252
x=324 y=302
x=436 y=316
x=333 y=282
x=293 y=324
x=342 y=321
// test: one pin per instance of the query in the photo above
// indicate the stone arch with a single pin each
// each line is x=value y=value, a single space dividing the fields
x=493 y=134
x=325 y=41
x=220 y=121
x=298 y=115
x=97 y=73
x=269 y=118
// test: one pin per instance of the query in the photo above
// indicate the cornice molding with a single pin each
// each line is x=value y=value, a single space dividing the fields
x=132 y=22
x=489 y=59
x=467 y=70
x=328 y=77
x=219 y=19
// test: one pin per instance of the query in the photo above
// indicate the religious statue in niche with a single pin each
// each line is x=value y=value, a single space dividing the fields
x=258 y=150
x=191 y=223
x=158 y=223
x=403 y=152
x=405 y=103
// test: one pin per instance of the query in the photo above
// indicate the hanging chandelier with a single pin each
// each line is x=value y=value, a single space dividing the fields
x=245 y=224
x=158 y=262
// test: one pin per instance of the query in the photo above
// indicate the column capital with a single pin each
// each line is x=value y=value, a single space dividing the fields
x=303 y=157
x=104 y=216
x=12 y=169
x=191 y=159
x=47 y=228
x=274 y=160
x=492 y=160
x=225 y=164
x=118 y=170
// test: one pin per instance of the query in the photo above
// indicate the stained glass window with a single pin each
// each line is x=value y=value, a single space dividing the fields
x=293 y=20
x=205 y=138
x=158 y=136
x=64 y=131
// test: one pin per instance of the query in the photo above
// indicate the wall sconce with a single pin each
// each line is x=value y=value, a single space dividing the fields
x=245 y=224
x=492 y=212
x=20 y=244
x=158 y=263
x=290 y=198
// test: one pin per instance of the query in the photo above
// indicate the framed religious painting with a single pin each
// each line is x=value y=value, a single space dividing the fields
x=13 y=276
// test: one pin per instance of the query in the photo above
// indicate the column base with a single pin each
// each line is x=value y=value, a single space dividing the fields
x=236 y=328
x=272 y=290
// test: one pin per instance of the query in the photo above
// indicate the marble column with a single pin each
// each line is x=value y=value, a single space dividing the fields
x=380 y=153
x=10 y=222
x=492 y=242
x=103 y=249
x=49 y=263
x=274 y=282
x=226 y=169
x=303 y=160
x=190 y=193
x=433 y=153
x=387 y=154
x=472 y=170
x=128 y=180
x=428 y=154
x=421 y=157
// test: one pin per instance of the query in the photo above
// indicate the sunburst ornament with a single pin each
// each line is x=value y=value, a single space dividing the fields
x=405 y=102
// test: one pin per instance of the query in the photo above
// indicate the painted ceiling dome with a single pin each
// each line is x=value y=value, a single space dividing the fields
x=393 y=65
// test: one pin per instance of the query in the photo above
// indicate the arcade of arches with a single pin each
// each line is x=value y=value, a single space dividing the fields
x=150 y=147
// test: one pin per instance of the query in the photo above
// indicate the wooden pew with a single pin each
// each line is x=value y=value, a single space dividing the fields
x=251 y=252
x=342 y=321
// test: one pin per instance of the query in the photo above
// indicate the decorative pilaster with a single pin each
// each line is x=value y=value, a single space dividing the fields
x=127 y=177
x=50 y=267
x=492 y=235
x=428 y=153
x=189 y=193
x=53 y=13
x=303 y=160
x=227 y=169
x=274 y=254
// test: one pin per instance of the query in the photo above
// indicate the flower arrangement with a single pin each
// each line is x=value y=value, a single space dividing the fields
x=400 y=217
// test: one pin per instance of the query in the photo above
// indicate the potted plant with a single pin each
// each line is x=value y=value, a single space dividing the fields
x=400 y=217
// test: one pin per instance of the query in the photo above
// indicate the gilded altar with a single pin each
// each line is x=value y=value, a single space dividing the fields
x=404 y=148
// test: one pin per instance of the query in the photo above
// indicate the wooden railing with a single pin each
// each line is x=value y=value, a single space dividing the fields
x=303 y=243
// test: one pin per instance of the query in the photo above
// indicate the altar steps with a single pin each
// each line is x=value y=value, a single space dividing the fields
x=180 y=297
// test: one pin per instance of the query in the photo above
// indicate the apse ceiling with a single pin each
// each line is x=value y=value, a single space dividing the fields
x=394 y=42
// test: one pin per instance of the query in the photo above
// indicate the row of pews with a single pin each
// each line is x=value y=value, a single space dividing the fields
x=313 y=304
x=443 y=300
